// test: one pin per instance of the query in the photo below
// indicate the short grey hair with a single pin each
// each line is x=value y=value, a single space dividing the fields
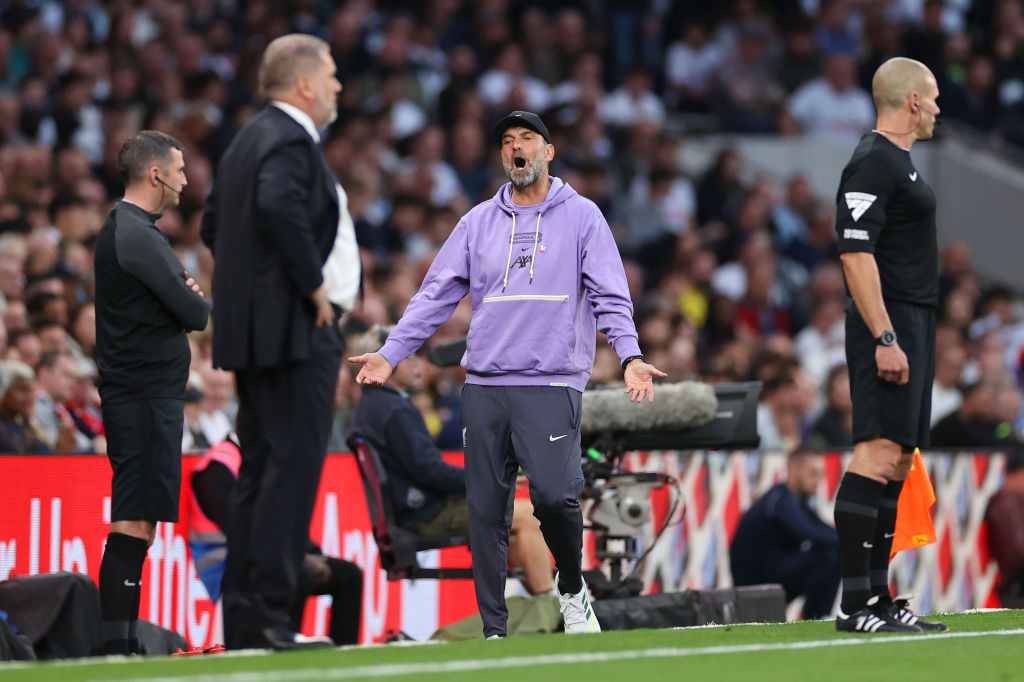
x=288 y=57
x=11 y=370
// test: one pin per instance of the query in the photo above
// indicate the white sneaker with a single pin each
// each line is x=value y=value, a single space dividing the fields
x=577 y=613
x=494 y=637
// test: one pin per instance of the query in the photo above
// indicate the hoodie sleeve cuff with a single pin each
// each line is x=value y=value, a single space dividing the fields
x=627 y=347
x=394 y=353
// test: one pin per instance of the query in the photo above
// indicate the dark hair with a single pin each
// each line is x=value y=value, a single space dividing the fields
x=14 y=336
x=834 y=374
x=38 y=301
x=799 y=454
x=996 y=293
x=45 y=323
x=50 y=358
x=65 y=200
x=142 y=150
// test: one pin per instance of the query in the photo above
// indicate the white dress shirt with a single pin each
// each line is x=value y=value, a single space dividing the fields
x=341 y=271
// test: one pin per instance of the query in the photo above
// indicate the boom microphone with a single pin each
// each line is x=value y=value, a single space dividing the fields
x=678 y=406
x=685 y=415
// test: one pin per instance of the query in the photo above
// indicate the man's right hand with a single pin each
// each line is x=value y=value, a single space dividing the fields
x=375 y=370
x=324 y=312
x=892 y=364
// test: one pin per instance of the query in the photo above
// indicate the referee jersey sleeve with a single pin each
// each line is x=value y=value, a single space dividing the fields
x=864 y=195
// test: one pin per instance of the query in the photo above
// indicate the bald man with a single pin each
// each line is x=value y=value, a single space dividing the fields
x=885 y=220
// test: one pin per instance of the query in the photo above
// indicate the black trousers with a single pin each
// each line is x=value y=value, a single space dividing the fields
x=284 y=420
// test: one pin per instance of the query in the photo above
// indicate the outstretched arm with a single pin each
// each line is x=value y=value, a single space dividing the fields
x=446 y=283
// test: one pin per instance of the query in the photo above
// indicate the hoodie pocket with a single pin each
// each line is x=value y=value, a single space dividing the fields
x=522 y=333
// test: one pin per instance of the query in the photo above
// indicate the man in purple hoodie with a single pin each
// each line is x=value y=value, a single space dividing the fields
x=543 y=275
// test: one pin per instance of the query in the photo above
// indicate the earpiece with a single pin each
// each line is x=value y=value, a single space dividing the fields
x=160 y=180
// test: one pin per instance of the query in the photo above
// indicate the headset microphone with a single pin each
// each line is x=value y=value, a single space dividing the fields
x=918 y=108
x=935 y=118
x=161 y=181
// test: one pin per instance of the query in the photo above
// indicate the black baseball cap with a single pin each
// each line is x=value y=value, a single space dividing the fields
x=526 y=119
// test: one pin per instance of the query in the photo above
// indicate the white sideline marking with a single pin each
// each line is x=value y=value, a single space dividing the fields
x=470 y=665
x=977 y=611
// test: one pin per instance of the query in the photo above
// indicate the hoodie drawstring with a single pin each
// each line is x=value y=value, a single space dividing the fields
x=511 y=242
x=508 y=263
x=536 y=236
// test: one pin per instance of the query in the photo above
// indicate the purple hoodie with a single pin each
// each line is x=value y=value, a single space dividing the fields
x=541 y=279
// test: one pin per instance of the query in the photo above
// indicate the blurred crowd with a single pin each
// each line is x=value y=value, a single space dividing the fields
x=734 y=275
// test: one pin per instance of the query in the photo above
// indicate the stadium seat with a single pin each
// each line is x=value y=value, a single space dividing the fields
x=396 y=545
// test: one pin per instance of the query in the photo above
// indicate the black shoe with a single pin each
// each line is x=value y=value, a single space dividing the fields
x=875 y=617
x=281 y=639
x=901 y=611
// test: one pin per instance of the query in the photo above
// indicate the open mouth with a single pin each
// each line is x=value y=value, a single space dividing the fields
x=519 y=162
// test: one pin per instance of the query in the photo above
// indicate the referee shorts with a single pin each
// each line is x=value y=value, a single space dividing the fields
x=882 y=409
x=144 y=447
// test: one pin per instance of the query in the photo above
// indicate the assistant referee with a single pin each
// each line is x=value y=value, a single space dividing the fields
x=145 y=304
x=885 y=219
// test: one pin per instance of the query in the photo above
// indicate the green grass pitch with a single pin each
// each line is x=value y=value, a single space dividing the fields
x=980 y=646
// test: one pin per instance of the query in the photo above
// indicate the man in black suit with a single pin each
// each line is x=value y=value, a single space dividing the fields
x=286 y=264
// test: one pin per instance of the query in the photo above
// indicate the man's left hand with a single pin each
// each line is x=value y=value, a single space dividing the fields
x=640 y=380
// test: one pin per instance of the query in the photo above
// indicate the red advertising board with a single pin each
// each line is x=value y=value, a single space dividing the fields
x=55 y=516
x=55 y=511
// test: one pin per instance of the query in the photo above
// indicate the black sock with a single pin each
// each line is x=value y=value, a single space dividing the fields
x=885 y=526
x=857 y=503
x=120 y=589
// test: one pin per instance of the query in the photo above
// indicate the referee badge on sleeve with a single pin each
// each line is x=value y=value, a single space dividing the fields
x=858 y=203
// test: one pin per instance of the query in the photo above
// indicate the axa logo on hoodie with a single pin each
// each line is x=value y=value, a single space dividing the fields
x=522 y=261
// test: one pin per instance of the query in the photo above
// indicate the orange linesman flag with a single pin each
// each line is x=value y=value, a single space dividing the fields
x=914 y=527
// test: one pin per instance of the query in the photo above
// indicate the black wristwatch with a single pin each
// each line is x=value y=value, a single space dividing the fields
x=630 y=359
x=888 y=338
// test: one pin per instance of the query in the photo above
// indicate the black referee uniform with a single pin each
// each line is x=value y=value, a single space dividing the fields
x=885 y=207
x=143 y=311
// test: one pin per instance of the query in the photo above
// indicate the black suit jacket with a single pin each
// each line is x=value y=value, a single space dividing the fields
x=271 y=220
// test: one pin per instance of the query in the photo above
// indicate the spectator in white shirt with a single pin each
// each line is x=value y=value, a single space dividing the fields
x=632 y=101
x=819 y=345
x=950 y=359
x=586 y=73
x=425 y=169
x=497 y=85
x=689 y=64
x=56 y=376
x=216 y=408
x=832 y=106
